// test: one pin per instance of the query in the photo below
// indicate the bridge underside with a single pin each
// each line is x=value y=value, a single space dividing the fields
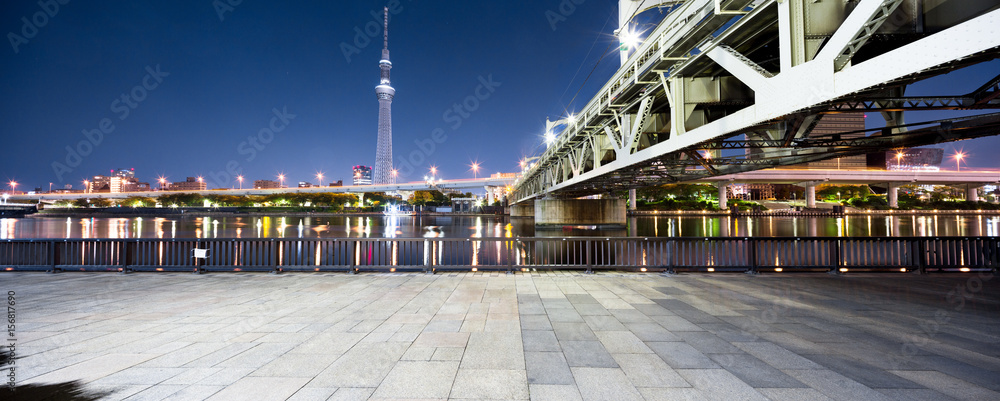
x=723 y=87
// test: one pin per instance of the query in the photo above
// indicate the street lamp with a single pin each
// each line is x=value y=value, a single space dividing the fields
x=240 y=179
x=958 y=160
x=13 y=187
x=434 y=171
x=86 y=186
x=281 y=180
x=319 y=177
x=162 y=180
x=394 y=174
x=475 y=170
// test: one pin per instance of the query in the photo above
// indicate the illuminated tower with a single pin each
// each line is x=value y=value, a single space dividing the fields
x=385 y=93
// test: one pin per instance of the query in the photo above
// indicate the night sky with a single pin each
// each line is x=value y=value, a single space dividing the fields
x=200 y=86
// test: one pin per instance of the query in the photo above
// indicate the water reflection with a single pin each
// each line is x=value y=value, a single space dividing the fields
x=492 y=226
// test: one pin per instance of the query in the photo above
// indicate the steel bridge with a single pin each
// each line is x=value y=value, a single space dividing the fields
x=726 y=86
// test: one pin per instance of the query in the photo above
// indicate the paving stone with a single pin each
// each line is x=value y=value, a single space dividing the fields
x=622 y=342
x=604 y=384
x=835 y=385
x=948 y=385
x=540 y=340
x=260 y=388
x=535 y=322
x=547 y=368
x=604 y=323
x=777 y=356
x=418 y=379
x=651 y=332
x=587 y=354
x=754 y=371
x=680 y=355
x=708 y=343
x=494 y=350
x=551 y=392
x=719 y=384
x=490 y=384
x=861 y=372
x=793 y=394
x=573 y=331
x=352 y=394
x=671 y=394
x=649 y=370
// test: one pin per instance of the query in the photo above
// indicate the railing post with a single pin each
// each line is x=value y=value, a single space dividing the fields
x=349 y=247
x=277 y=259
x=921 y=255
x=590 y=264
x=52 y=257
x=124 y=257
x=197 y=261
x=752 y=256
x=508 y=244
x=428 y=257
x=835 y=257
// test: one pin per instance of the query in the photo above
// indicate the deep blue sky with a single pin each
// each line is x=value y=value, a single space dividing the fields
x=227 y=75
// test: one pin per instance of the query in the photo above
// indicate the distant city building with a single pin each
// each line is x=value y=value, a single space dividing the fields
x=922 y=159
x=266 y=184
x=831 y=125
x=124 y=173
x=339 y=183
x=190 y=184
x=504 y=175
x=362 y=175
x=303 y=184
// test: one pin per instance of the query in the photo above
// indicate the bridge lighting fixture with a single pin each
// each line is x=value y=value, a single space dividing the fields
x=571 y=119
x=958 y=160
x=549 y=138
x=629 y=40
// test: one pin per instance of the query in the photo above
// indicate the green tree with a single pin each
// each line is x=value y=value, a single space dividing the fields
x=138 y=201
x=182 y=199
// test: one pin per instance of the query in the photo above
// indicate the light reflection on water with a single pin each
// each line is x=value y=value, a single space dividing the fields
x=491 y=226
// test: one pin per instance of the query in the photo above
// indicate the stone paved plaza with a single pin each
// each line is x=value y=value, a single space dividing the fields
x=538 y=336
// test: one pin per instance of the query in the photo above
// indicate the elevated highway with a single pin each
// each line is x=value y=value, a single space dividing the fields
x=971 y=180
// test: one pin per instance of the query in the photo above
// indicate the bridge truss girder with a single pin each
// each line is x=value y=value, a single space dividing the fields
x=681 y=100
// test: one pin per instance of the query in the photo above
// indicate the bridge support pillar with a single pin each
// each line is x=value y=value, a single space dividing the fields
x=631 y=199
x=489 y=196
x=557 y=213
x=723 y=195
x=972 y=193
x=810 y=195
x=526 y=209
x=893 y=195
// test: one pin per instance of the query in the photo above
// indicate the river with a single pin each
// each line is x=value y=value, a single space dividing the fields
x=491 y=226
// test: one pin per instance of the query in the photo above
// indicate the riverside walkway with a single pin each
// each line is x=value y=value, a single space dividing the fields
x=537 y=335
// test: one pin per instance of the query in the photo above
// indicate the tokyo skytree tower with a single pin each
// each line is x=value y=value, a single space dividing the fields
x=383 y=173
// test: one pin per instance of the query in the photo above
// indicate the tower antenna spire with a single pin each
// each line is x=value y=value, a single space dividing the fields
x=385 y=31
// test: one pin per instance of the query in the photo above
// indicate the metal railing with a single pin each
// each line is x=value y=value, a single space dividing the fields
x=709 y=254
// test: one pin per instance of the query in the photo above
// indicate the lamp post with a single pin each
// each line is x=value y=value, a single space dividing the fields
x=163 y=182
x=86 y=186
x=240 y=179
x=394 y=174
x=958 y=160
x=319 y=178
x=434 y=171
x=281 y=180
x=13 y=187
